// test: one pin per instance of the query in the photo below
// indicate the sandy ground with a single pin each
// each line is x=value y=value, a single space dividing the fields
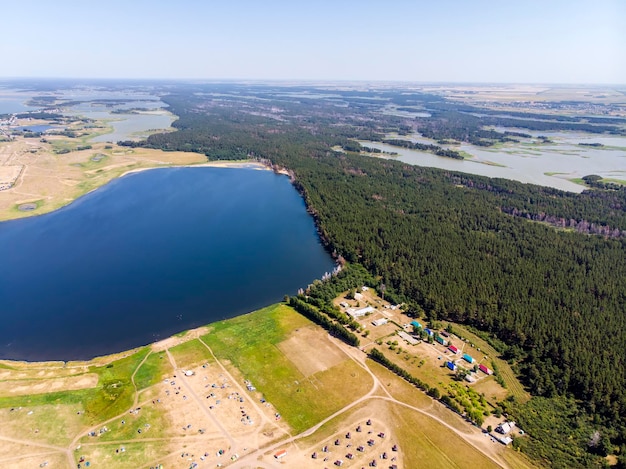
x=193 y=417
x=26 y=387
x=355 y=444
x=310 y=352
x=179 y=339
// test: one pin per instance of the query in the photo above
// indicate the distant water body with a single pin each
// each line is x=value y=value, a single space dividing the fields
x=149 y=255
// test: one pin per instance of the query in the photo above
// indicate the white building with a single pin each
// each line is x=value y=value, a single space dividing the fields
x=408 y=338
x=357 y=313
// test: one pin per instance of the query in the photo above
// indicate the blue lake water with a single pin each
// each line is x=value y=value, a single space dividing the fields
x=10 y=104
x=35 y=128
x=149 y=255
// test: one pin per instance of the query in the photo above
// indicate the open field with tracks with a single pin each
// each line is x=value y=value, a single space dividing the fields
x=232 y=393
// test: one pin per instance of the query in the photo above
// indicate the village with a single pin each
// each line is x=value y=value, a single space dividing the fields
x=435 y=355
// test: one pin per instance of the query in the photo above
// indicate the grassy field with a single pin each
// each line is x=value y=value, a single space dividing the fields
x=135 y=454
x=250 y=344
x=54 y=424
x=150 y=420
x=190 y=354
x=113 y=393
x=425 y=441
x=153 y=370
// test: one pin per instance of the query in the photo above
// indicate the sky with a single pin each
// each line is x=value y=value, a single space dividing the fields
x=529 y=41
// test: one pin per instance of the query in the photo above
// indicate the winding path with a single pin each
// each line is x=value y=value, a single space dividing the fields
x=253 y=459
x=256 y=458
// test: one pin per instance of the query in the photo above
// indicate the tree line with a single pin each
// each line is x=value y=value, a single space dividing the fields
x=443 y=243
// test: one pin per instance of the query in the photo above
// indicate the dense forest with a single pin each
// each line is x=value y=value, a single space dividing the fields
x=453 y=246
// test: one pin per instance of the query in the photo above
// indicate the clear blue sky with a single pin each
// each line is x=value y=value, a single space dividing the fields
x=548 y=41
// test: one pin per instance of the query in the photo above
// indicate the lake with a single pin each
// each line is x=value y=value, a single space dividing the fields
x=149 y=255
x=12 y=101
x=35 y=128
x=126 y=126
x=550 y=164
x=131 y=125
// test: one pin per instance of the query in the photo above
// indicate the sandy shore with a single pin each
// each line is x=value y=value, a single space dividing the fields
x=211 y=164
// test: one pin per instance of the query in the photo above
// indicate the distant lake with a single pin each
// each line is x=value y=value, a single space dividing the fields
x=149 y=255
x=131 y=124
x=550 y=164
x=12 y=103
x=35 y=128
x=125 y=125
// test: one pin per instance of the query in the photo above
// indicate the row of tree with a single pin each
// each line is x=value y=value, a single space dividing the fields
x=314 y=314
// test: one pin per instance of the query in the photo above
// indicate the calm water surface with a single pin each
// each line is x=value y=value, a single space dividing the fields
x=12 y=102
x=550 y=164
x=125 y=126
x=131 y=124
x=149 y=255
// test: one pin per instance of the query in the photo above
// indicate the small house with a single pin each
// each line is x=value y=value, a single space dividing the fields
x=505 y=427
x=468 y=358
x=429 y=332
x=470 y=379
x=380 y=322
x=416 y=324
x=485 y=370
x=280 y=454
x=453 y=349
x=451 y=365
x=441 y=340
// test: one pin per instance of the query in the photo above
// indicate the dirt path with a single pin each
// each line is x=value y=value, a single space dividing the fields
x=32 y=443
x=253 y=459
x=258 y=458
x=200 y=403
x=69 y=451
x=237 y=385
x=474 y=439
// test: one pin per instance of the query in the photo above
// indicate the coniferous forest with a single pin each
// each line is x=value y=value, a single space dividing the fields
x=541 y=270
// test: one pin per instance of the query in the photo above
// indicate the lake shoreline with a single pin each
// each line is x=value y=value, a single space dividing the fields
x=61 y=203
x=233 y=164
x=183 y=248
x=104 y=359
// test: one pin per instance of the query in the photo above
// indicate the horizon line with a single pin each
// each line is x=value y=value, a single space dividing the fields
x=312 y=81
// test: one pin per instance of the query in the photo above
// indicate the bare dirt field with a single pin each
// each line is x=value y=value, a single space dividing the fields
x=310 y=353
x=25 y=387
